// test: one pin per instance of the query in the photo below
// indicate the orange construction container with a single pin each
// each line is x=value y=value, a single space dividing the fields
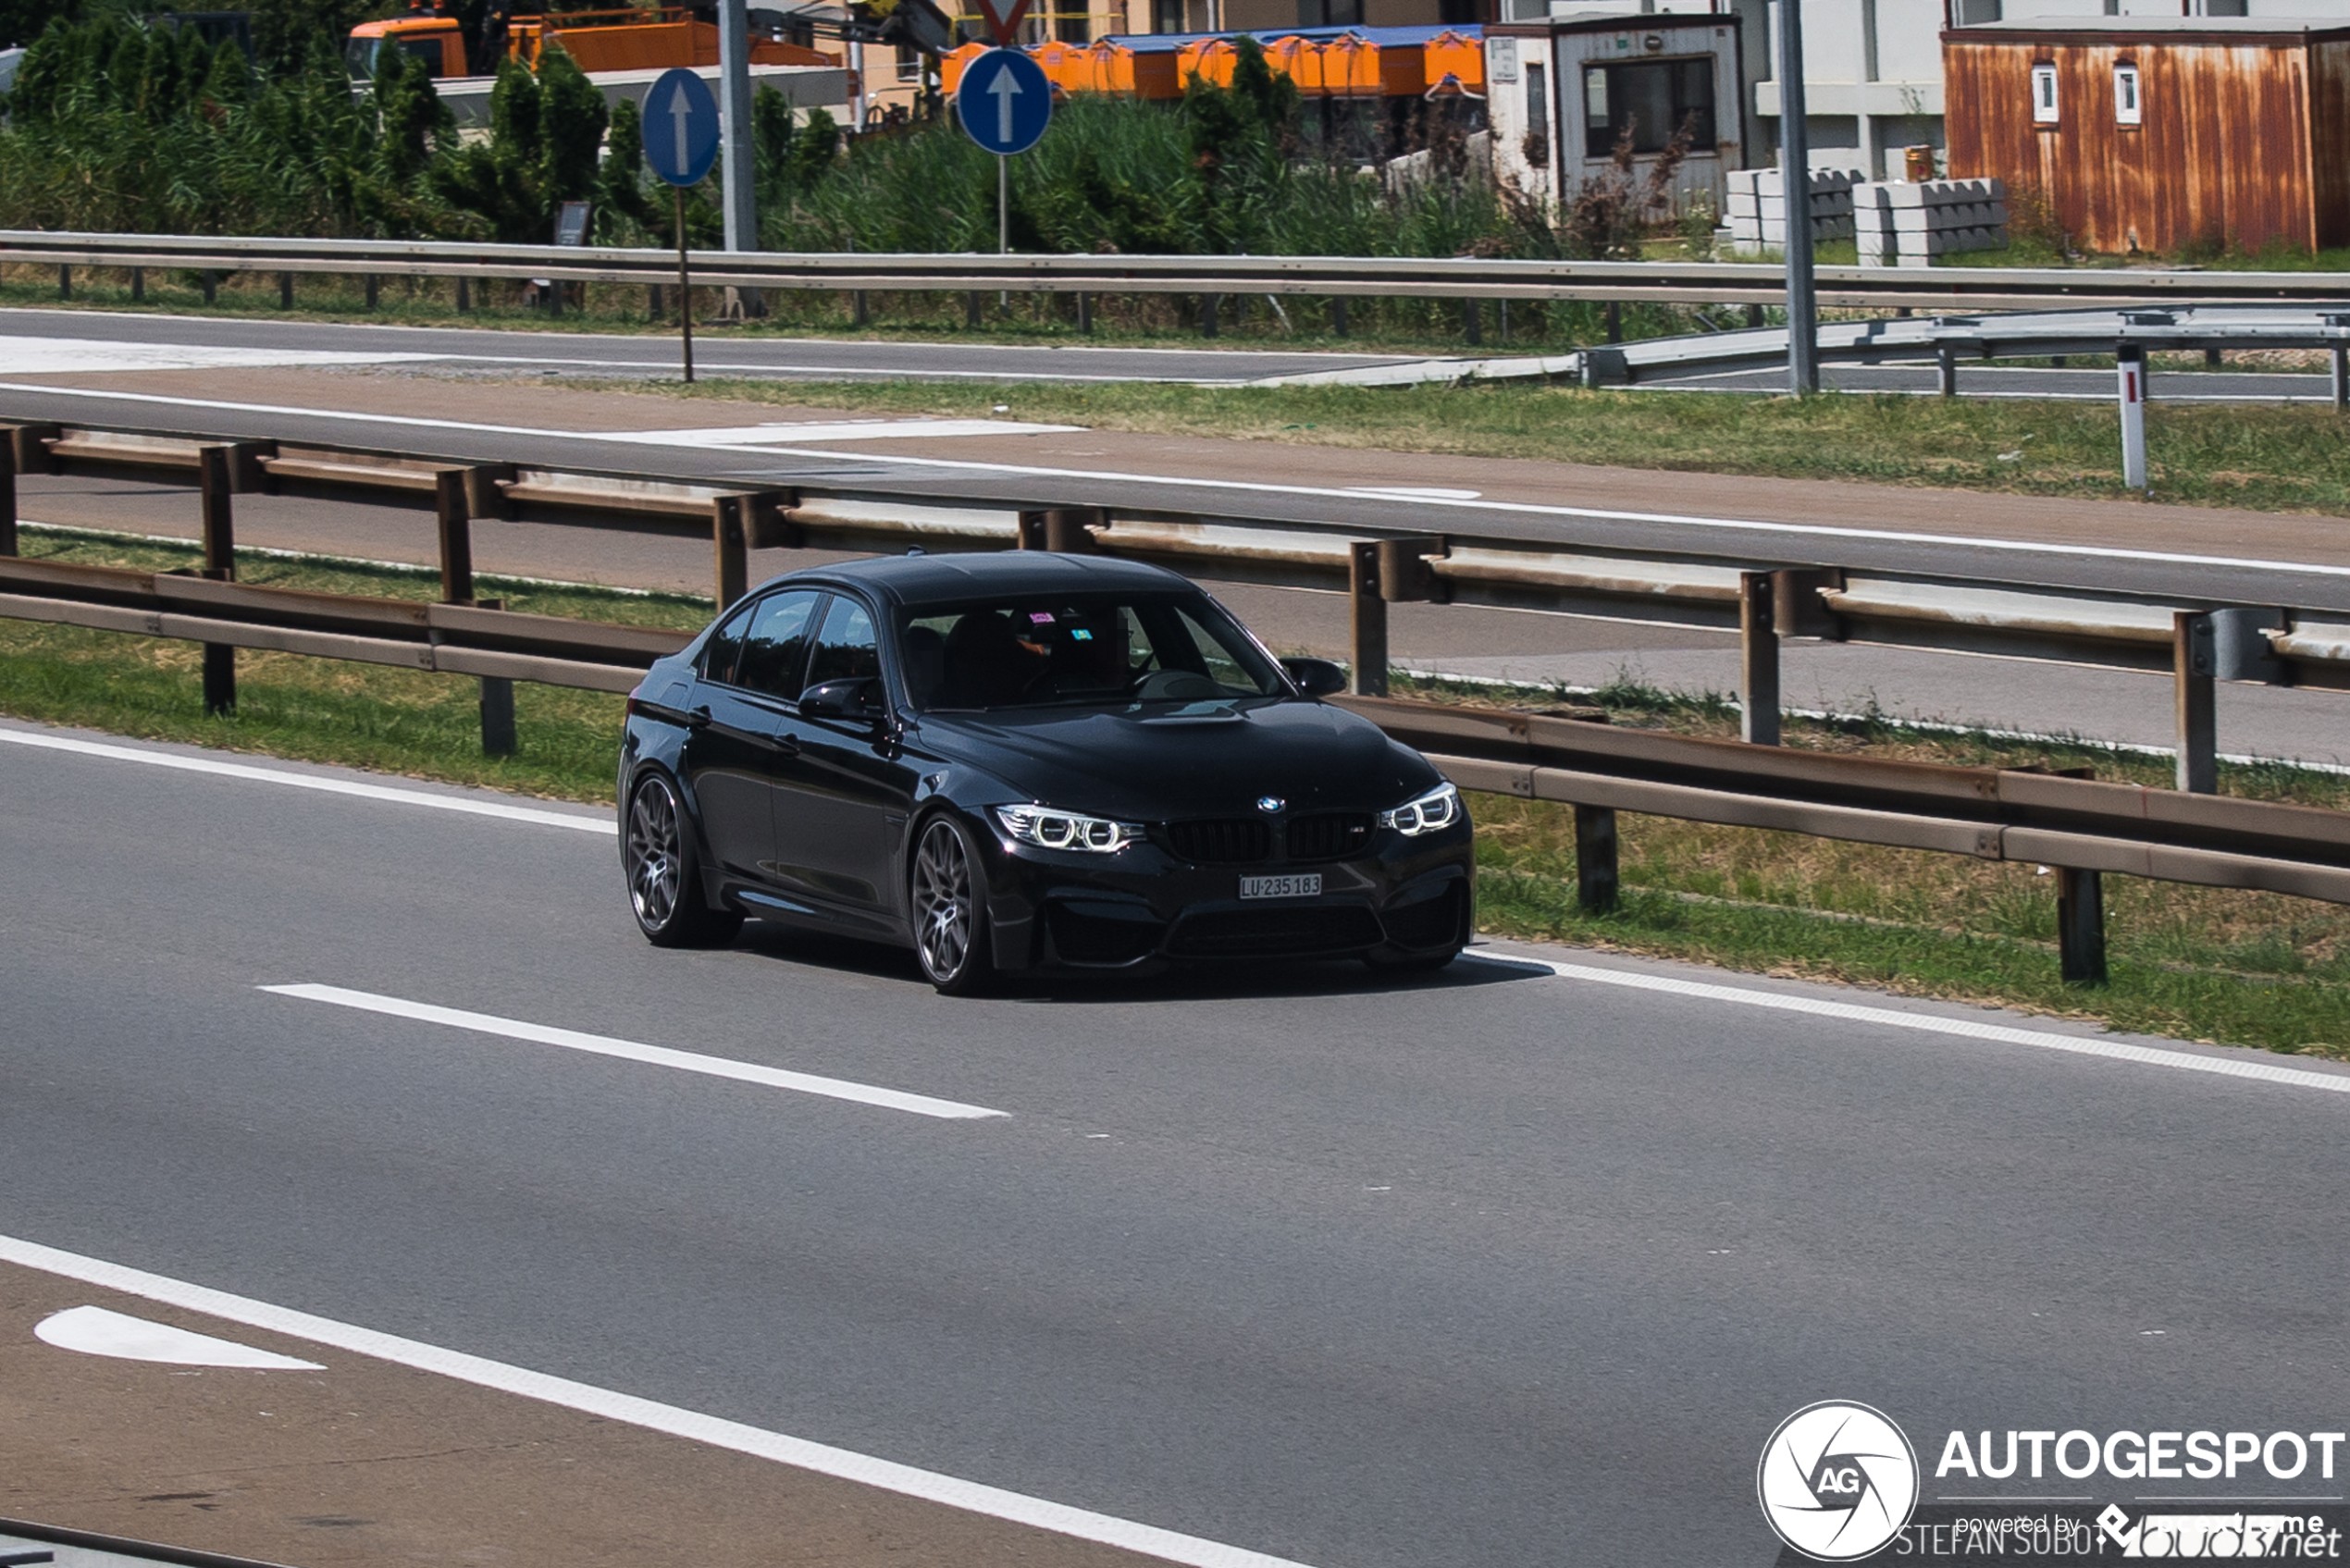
x=952 y=65
x=1065 y=65
x=1211 y=58
x=1351 y=68
x=1300 y=59
x=1458 y=57
x=1403 y=70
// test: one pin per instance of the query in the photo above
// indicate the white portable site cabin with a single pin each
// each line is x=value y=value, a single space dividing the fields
x=1560 y=93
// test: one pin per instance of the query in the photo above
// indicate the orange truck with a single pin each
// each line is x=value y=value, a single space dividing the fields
x=635 y=38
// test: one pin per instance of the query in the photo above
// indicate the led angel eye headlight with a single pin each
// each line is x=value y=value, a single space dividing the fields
x=1440 y=808
x=1049 y=828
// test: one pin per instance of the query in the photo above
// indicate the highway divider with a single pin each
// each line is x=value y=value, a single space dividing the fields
x=2082 y=827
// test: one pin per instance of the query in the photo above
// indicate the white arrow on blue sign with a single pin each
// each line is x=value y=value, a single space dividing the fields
x=681 y=127
x=1004 y=102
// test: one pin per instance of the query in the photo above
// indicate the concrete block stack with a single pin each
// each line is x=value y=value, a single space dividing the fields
x=1756 y=213
x=1907 y=223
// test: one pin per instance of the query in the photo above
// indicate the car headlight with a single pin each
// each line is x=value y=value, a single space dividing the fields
x=1049 y=828
x=1440 y=808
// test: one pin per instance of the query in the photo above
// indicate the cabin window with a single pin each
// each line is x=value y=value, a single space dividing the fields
x=2043 y=95
x=1537 y=104
x=1653 y=100
x=2129 y=108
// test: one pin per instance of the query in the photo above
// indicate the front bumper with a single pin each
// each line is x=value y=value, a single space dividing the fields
x=1399 y=897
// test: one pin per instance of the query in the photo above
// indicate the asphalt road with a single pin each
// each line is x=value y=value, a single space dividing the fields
x=717 y=352
x=1501 y=1268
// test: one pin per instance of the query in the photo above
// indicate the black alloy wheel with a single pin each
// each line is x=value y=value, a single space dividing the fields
x=950 y=915
x=664 y=876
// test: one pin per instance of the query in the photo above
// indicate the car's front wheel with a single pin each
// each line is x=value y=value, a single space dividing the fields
x=950 y=912
x=664 y=876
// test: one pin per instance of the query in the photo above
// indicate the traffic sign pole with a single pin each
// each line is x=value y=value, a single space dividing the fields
x=685 y=289
x=681 y=143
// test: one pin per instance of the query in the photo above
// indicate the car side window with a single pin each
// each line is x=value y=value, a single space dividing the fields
x=725 y=647
x=775 y=648
x=848 y=647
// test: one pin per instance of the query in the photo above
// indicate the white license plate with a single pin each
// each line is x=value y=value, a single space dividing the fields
x=1307 y=887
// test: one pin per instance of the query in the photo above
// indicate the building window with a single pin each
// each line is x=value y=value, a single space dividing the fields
x=2128 y=108
x=1537 y=103
x=1652 y=100
x=1074 y=26
x=1167 y=16
x=910 y=63
x=2043 y=95
x=1329 y=13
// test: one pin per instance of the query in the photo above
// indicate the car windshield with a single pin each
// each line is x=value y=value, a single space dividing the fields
x=1063 y=650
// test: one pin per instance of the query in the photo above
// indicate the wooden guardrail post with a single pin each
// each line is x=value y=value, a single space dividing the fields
x=2341 y=366
x=138 y=284
x=498 y=737
x=216 y=484
x=454 y=519
x=1758 y=658
x=30 y=446
x=1338 y=316
x=285 y=291
x=8 y=499
x=373 y=281
x=972 y=308
x=2081 y=926
x=2193 y=663
x=1596 y=884
x=1946 y=370
x=1472 y=323
x=465 y=295
x=731 y=549
x=211 y=286
x=65 y=282
x=1369 y=620
x=1065 y=529
x=1211 y=306
x=1085 y=310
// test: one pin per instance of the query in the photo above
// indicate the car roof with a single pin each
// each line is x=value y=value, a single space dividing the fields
x=924 y=579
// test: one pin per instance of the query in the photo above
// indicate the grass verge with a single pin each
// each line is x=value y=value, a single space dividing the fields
x=2199 y=963
x=2269 y=459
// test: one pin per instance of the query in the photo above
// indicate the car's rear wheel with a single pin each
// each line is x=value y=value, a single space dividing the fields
x=664 y=874
x=950 y=914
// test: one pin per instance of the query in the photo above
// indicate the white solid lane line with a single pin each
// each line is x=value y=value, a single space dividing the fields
x=464 y=804
x=93 y=1330
x=630 y=1050
x=1318 y=492
x=969 y=1496
x=1929 y=1023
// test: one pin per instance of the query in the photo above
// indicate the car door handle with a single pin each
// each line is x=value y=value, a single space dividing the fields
x=787 y=744
x=698 y=719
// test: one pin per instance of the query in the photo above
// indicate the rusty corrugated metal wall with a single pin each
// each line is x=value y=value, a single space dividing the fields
x=2244 y=137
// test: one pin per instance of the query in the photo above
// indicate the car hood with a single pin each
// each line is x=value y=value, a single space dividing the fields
x=1200 y=760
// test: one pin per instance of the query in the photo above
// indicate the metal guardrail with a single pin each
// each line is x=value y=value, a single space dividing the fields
x=1468 y=279
x=1947 y=341
x=2084 y=827
x=2198 y=643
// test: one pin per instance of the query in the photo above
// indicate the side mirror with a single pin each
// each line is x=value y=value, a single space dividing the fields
x=851 y=699
x=1315 y=677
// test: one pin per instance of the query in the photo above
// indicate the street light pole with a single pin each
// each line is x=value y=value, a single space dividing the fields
x=1795 y=179
x=736 y=155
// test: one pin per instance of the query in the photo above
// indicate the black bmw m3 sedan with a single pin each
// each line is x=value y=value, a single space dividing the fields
x=1019 y=762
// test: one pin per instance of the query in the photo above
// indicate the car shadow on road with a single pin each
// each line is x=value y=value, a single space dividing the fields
x=1211 y=983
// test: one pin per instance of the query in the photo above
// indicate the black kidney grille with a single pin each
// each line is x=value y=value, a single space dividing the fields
x=1234 y=841
x=1331 y=836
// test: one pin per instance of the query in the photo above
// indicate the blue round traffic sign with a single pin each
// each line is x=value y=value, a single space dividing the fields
x=681 y=127
x=1005 y=101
